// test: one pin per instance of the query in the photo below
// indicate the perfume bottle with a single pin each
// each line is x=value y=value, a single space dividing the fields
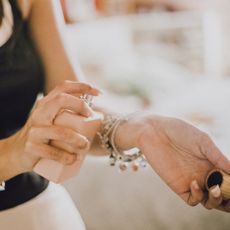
x=221 y=178
x=58 y=172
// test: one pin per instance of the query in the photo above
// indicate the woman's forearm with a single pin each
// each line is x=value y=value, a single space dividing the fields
x=7 y=167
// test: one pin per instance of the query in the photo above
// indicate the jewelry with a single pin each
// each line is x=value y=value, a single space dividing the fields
x=2 y=186
x=132 y=157
x=88 y=99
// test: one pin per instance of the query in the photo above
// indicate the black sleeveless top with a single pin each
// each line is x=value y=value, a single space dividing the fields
x=21 y=79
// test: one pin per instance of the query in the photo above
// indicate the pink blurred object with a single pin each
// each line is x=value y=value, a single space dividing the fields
x=57 y=172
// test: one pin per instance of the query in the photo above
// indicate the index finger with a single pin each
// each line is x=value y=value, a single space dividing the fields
x=76 y=88
x=215 y=156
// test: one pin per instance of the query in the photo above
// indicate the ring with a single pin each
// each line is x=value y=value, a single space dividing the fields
x=88 y=99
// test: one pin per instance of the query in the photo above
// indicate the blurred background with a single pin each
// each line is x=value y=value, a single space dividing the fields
x=168 y=56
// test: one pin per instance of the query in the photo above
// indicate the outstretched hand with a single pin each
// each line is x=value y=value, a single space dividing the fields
x=182 y=156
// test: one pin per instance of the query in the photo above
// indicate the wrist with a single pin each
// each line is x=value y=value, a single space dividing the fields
x=130 y=131
x=8 y=161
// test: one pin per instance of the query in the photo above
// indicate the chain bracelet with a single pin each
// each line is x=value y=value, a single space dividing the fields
x=107 y=136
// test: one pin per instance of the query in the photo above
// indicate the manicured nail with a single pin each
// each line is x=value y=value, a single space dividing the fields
x=216 y=191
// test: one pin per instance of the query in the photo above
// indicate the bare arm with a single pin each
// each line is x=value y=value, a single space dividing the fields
x=159 y=138
x=46 y=23
x=21 y=151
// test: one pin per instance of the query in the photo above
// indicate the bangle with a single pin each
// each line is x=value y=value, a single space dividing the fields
x=2 y=186
x=132 y=157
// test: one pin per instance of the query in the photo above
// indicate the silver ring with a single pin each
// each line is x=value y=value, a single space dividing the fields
x=88 y=99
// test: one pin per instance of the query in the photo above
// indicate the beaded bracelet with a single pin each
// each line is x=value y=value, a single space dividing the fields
x=133 y=157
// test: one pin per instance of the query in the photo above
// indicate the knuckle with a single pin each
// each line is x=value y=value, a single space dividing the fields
x=62 y=133
x=61 y=98
x=76 y=141
x=37 y=116
x=205 y=137
x=65 y=134
x=205 y=142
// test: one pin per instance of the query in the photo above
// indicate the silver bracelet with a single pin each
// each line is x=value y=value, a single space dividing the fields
x=2 y=186
x=133 y=157
x=107 y=136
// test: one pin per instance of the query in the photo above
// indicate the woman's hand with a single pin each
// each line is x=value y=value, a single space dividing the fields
x=34 y=141
x=181 y=155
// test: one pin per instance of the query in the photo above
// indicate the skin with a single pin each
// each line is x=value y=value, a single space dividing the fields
x=24 y=149
x=130 y=6
x=185 y=156
x=184 y=153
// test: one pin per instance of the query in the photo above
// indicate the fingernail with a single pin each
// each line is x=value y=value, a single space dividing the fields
x=195 y=184
x=99 y=91
x=216 y=191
